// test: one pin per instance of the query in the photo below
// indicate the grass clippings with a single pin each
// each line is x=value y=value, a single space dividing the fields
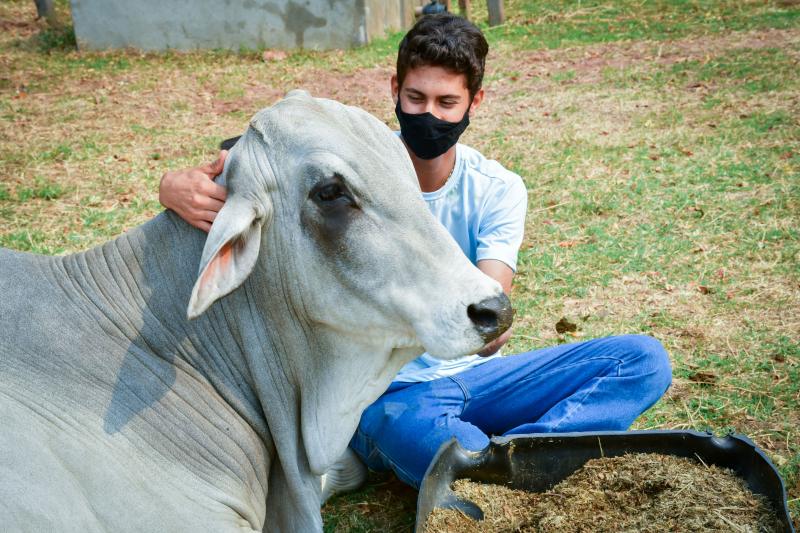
x=636 y=492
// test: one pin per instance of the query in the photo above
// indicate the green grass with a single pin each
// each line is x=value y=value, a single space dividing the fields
x=556 y=24
x=659 y=141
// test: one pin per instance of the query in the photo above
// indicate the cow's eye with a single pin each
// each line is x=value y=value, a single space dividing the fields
x=330 y=194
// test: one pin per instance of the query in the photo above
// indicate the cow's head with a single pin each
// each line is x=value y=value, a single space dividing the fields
x=323 y=198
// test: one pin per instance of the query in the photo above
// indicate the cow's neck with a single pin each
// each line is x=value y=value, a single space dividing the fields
x=140 y=285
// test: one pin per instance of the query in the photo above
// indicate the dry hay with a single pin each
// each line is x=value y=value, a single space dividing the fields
x=637 y=492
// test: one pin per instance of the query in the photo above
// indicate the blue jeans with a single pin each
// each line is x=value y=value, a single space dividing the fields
x=597 y=385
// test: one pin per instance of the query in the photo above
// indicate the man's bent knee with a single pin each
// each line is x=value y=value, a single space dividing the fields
x=651 y=361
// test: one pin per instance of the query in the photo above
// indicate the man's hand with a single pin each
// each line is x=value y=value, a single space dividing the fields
x=192 y=193
x=501 y=272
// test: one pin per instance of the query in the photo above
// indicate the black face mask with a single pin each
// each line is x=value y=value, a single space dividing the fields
x=427 y=136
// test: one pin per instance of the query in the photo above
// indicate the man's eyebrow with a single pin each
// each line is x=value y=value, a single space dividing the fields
x=415 y=92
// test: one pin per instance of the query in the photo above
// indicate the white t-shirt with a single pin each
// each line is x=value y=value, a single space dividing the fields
x=483 y=207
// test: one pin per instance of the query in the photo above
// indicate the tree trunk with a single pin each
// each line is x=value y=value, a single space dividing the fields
x=463 y=8
x=46 y=9
x=497 y=14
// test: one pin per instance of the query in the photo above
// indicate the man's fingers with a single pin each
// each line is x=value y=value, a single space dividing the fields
x=203 y=225
x=223 y=155
x=216 y=191
x=215 y=168
x=208 y=216
x=209 y=204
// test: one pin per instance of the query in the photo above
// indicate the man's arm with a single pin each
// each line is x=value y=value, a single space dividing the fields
x=501 y=272
x=192 y=193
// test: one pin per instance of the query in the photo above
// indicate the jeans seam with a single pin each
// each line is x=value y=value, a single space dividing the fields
x=464 y=391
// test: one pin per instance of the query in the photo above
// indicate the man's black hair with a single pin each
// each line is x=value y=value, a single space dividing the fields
x=448 y=41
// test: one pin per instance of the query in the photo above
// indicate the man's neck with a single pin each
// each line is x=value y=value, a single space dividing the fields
x=434 y=173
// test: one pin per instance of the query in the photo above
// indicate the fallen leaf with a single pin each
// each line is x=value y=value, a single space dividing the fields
x=705 y=290
x=697 y=210
x=568 y=244
x=564 y=326
x=703 y=376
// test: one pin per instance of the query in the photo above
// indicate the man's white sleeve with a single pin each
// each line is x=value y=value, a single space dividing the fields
x=503 y=223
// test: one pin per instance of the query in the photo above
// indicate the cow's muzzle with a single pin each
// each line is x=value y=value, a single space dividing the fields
x=491 y=316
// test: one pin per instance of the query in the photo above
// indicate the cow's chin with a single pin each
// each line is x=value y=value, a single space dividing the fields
x=330 y=415
x=449 y=346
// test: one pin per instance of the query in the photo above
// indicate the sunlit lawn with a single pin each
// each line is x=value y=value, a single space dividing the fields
x=659 y=141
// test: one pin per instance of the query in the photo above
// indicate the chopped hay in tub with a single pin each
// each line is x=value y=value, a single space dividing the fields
x=636 y=492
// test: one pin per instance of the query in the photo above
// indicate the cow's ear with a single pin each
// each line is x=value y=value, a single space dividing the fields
x=230 y=252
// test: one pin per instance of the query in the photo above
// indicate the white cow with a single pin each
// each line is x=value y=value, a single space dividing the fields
x=323 y=274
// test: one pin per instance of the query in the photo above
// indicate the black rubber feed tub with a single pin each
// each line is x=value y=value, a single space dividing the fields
x=538 y=462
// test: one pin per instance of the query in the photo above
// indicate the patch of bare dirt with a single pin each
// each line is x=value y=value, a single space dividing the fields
x=367 y=88
x=588 y=62
x=19 y=23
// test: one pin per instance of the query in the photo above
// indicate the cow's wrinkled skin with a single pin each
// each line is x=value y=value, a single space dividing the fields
x=323 y=274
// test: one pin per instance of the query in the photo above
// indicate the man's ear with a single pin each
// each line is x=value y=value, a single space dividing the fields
x=395 y=88
x=476 y=101
x=230 y=253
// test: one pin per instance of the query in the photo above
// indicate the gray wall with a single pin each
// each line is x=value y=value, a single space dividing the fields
x=235 y=24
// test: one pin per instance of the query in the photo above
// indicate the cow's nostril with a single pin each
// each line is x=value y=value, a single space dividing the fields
x=483 y=317
x=491 y=316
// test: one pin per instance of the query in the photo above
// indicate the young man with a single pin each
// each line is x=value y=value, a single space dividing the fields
x=601 y=384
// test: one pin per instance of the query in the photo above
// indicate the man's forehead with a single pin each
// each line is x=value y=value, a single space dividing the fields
x=429 y=79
